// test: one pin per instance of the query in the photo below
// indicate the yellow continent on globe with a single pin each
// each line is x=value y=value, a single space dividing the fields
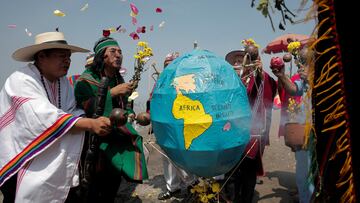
x=196 y=121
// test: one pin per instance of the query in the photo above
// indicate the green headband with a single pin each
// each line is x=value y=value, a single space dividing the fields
x=104 y=44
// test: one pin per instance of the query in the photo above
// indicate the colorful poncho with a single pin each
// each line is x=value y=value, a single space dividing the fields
x=35 y=140
x=124 y=147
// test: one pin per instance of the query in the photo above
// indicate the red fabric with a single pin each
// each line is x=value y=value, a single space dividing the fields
x=284 y=98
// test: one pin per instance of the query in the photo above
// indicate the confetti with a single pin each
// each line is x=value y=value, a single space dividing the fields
x=134 y=36
x=106 y=33
x=86 y=6
x=118 y=28
x=132 y=14
x=133 y=20
x=158 y=10
x=28 y=32
x=162 y=24
x=12 y=26
x=133 y=96
x=59 y=13
x=122 y=30
x=134 y=9
x=227 y=126
x=123 y=71
x=141 y=29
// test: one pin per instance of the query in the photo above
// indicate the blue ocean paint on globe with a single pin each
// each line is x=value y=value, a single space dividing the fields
x=200 y=114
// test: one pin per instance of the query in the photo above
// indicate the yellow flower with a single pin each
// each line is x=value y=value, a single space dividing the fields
x=204 y=198
x=143 y=52
x=250 y=41
x=215 y=187
x=293 y=109
x=210 y=196
x=293 y=47
x=142 y=44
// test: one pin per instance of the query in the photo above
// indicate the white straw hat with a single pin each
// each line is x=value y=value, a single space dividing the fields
x=47 y=40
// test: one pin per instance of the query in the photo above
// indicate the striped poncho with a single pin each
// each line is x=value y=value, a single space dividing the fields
x=35 y=140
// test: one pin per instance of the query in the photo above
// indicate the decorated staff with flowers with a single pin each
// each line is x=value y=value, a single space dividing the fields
x=295 y=99
x=120 y=153
x=261 y=90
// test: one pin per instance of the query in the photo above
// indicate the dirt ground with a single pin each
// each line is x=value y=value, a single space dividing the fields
x=274 y=187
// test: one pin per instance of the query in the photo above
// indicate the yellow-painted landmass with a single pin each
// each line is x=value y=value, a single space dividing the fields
x=196 y=121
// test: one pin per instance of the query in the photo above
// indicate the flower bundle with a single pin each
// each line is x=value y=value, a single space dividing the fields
x=144 y=52
x=206 y=190
x=293 y=110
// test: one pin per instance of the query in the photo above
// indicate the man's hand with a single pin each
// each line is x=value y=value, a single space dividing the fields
x=258 y=65
x=121 y=89
x=101 y=126
x=279 y=73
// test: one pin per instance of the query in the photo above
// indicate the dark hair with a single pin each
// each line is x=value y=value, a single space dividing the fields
x=305 y=54
x=98 y=63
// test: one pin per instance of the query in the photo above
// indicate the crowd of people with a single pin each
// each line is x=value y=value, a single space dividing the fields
x=48 y=126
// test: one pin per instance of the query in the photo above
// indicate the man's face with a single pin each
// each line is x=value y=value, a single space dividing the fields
x=55 y=63
x=113 y=57
x=237 y=63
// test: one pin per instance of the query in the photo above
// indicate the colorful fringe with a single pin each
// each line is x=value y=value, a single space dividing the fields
x=335 y=180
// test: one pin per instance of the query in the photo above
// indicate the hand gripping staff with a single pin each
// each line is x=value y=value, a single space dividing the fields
x=91 y=155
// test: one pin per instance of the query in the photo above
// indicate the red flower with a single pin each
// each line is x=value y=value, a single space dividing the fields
x=106 y=33
x=158 y=10
x=134 y=36
x=141 y=29
x=277 y=63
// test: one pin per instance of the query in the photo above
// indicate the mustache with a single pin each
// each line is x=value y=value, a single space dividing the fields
x=119 y=62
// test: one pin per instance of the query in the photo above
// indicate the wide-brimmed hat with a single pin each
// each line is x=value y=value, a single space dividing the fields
x=47 y=40
x=231 y=56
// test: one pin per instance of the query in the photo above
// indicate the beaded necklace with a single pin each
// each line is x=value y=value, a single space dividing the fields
x=47 y=94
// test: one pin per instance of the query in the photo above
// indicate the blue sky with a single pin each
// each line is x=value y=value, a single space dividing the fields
x=217 y=25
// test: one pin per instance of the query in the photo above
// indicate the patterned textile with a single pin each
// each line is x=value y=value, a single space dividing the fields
x=336 y=137
x=35 y=140
x=124 y=147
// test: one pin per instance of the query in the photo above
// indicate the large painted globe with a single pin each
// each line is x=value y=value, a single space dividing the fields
x=200 y=114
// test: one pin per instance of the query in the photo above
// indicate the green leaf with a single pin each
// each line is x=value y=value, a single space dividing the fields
x=263 y=7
